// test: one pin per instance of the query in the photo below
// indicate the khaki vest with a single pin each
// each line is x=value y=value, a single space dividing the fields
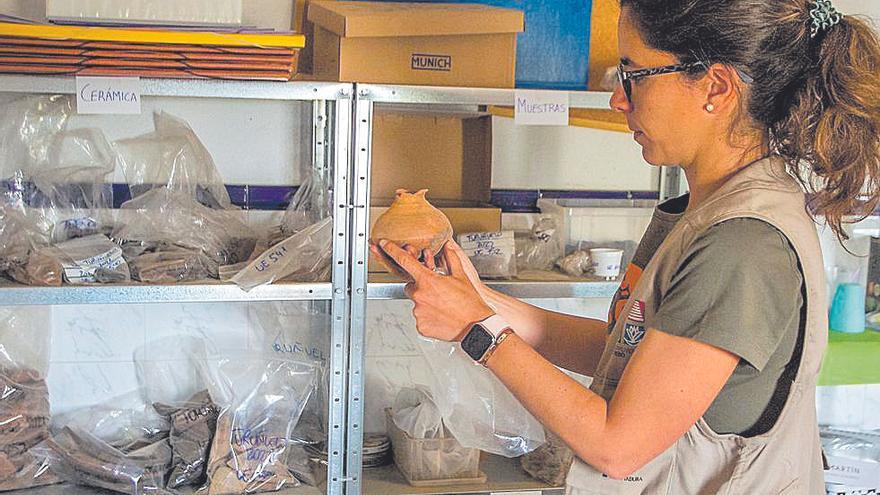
x=785 y=460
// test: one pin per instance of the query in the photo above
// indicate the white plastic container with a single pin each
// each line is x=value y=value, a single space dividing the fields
x=606 y=262
x=161 y=12
x=433 y=461
x=600 y=221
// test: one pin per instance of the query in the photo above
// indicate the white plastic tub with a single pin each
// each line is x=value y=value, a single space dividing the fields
x=600 y=221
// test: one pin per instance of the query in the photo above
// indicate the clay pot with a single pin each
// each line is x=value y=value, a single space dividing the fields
x=412 y=221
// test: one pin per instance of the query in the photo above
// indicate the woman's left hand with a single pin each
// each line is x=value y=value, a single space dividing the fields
x=445 y=305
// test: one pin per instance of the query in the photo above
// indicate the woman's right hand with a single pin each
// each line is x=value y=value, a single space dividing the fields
x=453 y=249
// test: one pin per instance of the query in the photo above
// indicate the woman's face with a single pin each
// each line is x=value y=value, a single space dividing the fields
x=666 y=114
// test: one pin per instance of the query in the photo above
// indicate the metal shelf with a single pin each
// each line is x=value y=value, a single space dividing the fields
x=385 y=286
x=193 y=88
x=13 y=294
x=422 y=95
x=504 y=476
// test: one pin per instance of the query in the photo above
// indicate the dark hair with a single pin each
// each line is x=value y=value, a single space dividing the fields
x=817 y=98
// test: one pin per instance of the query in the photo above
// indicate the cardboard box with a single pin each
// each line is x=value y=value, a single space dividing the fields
x=464 y=219
x=412 y=43
x=448 y=154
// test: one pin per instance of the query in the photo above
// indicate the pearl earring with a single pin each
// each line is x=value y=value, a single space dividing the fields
x=710 y=107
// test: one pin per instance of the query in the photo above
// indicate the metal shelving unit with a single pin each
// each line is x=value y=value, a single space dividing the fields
x=14 y=294
x=331 y=112
x=341 y=121
x=504 y=475
x=384 y=286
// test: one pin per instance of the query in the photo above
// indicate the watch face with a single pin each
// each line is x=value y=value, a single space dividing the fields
x=477 y=342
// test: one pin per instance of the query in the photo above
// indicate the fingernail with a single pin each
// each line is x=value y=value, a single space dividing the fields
x=382 y=243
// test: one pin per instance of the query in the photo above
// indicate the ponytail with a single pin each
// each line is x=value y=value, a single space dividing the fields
x=815 y=90
x=830 y=136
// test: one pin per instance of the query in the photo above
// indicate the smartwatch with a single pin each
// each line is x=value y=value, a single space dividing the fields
x=483 y=337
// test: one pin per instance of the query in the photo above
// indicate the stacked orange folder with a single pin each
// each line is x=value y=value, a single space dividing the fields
x=99 y=51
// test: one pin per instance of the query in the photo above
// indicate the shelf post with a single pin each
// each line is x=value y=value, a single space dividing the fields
x=362 y=134
x=332 y=152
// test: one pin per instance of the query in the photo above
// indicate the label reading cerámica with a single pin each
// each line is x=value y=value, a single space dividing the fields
x=424 y=61
x=108 y=95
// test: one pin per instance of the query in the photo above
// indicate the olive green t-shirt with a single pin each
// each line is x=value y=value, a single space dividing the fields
x=740 y=288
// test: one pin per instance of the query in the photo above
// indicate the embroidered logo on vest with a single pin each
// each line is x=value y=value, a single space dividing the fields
x=634 y=328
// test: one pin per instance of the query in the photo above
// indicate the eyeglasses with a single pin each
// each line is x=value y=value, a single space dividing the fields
x=626 y=77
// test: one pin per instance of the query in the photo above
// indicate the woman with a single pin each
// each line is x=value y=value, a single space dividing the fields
x=704 y=378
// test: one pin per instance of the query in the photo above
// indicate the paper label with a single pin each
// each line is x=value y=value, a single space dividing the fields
x=72 y=228
x=541 y=107
x=108 y=95
x=83 y=271
x=486 y=243
x=852 y=472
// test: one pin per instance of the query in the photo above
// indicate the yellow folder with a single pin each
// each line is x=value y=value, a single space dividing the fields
x=161 y=36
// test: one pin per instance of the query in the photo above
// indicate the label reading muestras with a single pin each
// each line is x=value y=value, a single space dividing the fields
x=541 y=107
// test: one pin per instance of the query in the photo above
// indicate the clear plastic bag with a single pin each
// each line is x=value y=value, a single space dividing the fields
x=178 y=202
x=302 y=257
x=28 y=127
x=177 y=389
x=853 y=458
x=80 y=457
x=125 y=423
x=301 y=330
x=173 y=158
x=493 y=254
x=307 y=207
x=576 y=264
x=540 y=248
x=72 y=190
x=24 y=396
x=262 y=401
x=93 y=259
x=20 y=235
x=160 y=263
x=57 y=186
x=417 y=415
x=476 y=407
x=162 y=220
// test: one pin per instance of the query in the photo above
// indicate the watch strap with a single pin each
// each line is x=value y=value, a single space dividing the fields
x=491 y=350
x=495 y=324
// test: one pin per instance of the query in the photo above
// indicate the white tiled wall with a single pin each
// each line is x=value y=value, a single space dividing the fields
x=93 y=347
x=849 y=406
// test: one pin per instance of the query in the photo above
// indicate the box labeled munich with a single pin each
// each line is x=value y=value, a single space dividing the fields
x=415 y=43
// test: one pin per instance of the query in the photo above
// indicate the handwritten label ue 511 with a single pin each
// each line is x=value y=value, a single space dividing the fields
x=108 y=95
x=541 y=107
